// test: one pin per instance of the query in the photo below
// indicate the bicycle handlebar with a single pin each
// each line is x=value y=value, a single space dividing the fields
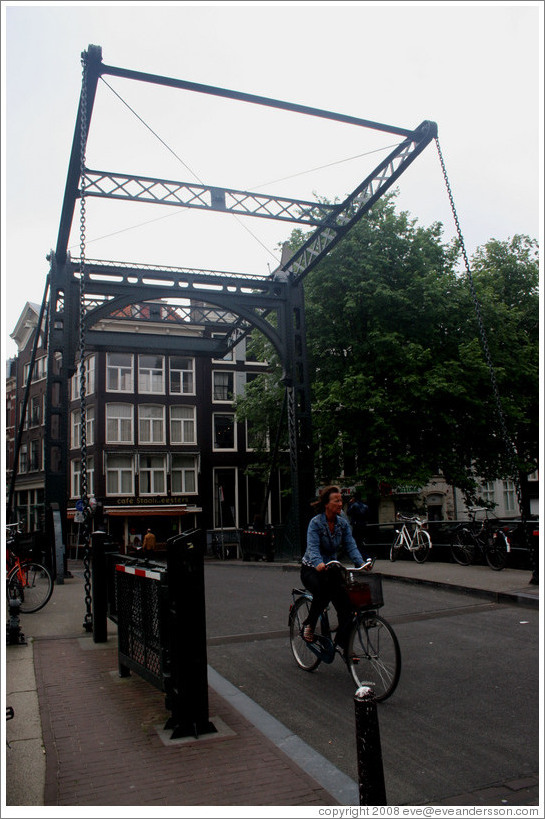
x=338 y=563
x=410 y=519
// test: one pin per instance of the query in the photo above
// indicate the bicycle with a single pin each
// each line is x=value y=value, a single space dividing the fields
x=418 y=543
x=372 y=653
x=27 y=581
x=480 y=536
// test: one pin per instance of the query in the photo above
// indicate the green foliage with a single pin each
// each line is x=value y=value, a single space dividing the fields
x=400 y=386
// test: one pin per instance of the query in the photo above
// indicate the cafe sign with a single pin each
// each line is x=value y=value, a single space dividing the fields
x=160 y=500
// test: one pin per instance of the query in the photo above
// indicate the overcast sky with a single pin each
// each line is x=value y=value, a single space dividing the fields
x=476 y=70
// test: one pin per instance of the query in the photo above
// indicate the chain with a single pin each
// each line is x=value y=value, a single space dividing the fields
x=509 y=445
x=88 y=621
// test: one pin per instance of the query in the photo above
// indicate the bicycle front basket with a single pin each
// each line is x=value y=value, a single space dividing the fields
x=365 y=590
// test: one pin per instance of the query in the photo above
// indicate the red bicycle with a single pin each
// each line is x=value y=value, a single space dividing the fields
x=28 y=582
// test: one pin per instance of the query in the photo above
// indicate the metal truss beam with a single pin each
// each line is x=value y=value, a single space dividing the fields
x=108 y=185
x=358 y=203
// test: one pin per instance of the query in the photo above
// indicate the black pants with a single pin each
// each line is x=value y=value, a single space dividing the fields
x=327 y=586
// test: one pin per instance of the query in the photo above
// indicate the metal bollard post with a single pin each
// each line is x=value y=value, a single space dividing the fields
x=370 y=770
x=187 y=682
x=14 y=634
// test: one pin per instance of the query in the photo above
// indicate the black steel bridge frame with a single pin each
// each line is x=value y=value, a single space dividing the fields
x=274 y=304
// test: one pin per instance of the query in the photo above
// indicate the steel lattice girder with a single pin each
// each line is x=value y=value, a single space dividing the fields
x=107 y=185
x=108 y=287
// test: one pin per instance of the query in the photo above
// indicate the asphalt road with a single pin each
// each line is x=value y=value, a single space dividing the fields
x=465 y=713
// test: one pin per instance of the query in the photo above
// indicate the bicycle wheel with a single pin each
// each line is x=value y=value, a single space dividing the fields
x=496 y=551
x=374 y=643
x=423 y=546
x=396 y=546
x=462 y=548
x=32 y=585
x=304 y=656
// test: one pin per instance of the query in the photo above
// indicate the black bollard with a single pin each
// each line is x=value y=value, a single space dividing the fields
x=187 y=681
x=15 y=636
x=370 y=770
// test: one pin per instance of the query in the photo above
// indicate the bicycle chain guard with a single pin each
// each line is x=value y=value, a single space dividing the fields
x=323 y=647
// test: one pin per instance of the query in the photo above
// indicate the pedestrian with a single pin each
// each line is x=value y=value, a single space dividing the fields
x=327 y=532
x=149 y=541
x=357 y=515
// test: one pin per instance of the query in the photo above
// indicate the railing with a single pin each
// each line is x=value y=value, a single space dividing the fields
x=161 y=623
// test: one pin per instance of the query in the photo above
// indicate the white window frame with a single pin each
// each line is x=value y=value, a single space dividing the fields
x=153 y=471
x=488 y=491
x=186 y=375
x=183 y=472
x=123 y=374
x=119 y=471
x=218 y=376
x=509 y=495
x=75 y=427
x=186 y=424
x=148 y=375
x=23 y=459
x=75 y=477
x=119 y=419
x=229 y=357
x=151 y=428
x=215 y=447
x=89 y=369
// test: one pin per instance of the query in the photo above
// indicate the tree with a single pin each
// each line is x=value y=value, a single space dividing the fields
x=400 y=386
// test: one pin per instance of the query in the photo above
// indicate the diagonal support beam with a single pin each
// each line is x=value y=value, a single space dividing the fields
x=357 y=204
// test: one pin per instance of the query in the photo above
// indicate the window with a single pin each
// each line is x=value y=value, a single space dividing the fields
x=222 y=386
x=509 y=496
x=23 y=458
x=76 y=428
x=119 y=423
x=152 y=474
x=151 y=424
x=35 y=447
x=256 y=439
x=229 y=355
x=182 y=375
x=75 y=478
x=89 y=368
x=184 y=474
x=224 y=431
x=488 y=492
x=182 y=425
x=38 y=373
x=151 y=374
x=35 y=407
x=119 y=372
x=119 y=475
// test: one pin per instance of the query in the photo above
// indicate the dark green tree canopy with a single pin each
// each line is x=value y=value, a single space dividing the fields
x=400 y=386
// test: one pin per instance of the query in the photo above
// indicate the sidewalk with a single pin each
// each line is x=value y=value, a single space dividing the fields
x=83 y=736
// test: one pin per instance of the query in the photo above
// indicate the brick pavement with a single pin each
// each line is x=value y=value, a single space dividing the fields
x=104 y=746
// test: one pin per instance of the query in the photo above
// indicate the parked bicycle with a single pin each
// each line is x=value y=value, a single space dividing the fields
x=417 y=542
x=480 y=536
x=27 y=581
x=372 y=654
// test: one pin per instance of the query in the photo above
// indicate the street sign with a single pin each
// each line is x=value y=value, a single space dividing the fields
x=79 y=517
x=79 y=506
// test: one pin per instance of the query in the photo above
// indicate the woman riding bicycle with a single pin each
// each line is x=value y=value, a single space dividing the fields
x=327 y=532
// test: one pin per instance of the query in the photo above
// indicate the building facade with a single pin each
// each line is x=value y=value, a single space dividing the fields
x=163 y=449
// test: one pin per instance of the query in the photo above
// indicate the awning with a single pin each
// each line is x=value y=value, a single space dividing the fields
x=134 y=511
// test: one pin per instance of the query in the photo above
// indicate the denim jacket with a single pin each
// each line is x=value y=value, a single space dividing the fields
x=322 y=545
